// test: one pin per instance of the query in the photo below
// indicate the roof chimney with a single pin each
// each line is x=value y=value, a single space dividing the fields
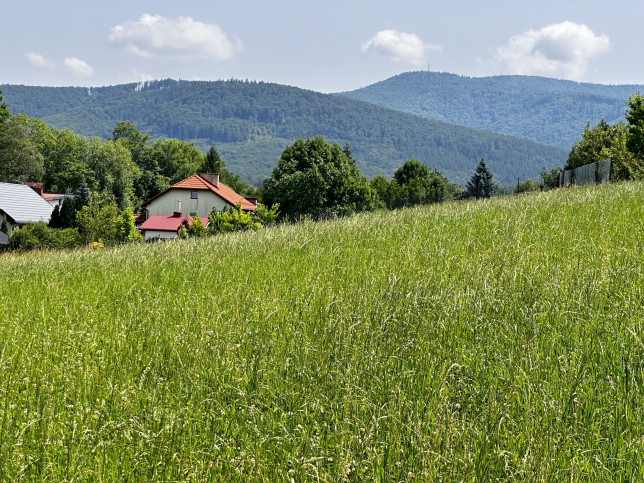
x=177 y=213
x=37 y=187
x=213 y=179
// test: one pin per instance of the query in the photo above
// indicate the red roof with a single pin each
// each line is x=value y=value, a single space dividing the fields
x=139 y=217
x=53 y=196
x=196 y=182
x=168 y=222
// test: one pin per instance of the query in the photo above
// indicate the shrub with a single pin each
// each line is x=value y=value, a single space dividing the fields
x=229 y=219
x=40 y=236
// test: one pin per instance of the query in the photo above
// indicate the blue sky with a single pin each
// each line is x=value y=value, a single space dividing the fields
x=324 y=46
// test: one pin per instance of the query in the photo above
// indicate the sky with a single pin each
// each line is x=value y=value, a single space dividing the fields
x=331 y=46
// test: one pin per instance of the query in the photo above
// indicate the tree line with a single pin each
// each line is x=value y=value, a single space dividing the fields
x=313 y=178
x=126 y=167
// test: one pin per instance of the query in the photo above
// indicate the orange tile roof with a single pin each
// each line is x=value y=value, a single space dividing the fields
x=196 y=182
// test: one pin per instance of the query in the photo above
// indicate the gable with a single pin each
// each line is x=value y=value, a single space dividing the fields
x=169 y=202
x=199 y=184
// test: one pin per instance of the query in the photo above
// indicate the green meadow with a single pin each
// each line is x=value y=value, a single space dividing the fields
x=493 y=340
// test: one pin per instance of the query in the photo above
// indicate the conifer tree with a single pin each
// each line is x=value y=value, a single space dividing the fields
x=54 y=220
x=481 y=184
x=212 y=162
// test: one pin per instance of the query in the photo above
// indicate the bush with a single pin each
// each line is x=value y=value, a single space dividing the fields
x=196 y=228
x=40 y=236
x=229 y=219
x=526 y=187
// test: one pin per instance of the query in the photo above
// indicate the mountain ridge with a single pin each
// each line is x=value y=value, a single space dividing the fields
x=544 y=110
x=251 y=123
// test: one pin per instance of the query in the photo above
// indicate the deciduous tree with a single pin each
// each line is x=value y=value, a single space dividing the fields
x=316 y=178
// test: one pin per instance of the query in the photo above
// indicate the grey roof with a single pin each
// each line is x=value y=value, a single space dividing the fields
x=23 y=204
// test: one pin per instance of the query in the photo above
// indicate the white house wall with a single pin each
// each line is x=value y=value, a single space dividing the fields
x=165 y=235
x=167 y=203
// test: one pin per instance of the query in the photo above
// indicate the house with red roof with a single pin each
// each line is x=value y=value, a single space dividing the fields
x=53 y=199
x=197 y=194
x=164 y=227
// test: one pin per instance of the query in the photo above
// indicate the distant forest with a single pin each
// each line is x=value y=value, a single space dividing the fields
x=547 y=111
x=250 y=124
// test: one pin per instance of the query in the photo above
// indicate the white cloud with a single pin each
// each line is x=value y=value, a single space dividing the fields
x=558 y=50
x=78 y=67
x=400 y=46
x=184 y=38
x=38 y=60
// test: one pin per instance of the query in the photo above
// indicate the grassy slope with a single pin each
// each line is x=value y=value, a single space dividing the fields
x=485 y=339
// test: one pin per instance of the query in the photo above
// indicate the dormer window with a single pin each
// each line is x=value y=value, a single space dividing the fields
x=194 y=195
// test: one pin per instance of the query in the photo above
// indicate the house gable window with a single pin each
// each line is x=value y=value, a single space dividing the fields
x=194 y=195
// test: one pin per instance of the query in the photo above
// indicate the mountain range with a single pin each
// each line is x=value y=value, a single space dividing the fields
x=548 y=111
x=385 y=124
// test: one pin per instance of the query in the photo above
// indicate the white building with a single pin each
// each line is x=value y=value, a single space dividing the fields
x=22 y=205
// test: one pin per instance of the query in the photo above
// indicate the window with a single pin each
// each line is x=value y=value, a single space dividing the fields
x=194 y=195
x=193 y=214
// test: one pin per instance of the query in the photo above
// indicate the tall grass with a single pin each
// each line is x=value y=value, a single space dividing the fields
x=485 y=340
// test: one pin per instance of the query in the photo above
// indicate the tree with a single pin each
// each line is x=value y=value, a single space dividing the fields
x=4 y=111
x=135 y=142
x=481 y=184
x=605 y=141
x=635 y=118
x=595 y=144
x=19 y=158
x=5 y=115
x=114 y=169
x=380 y=187
x=4 y=227
x=176 y=160
x=66 y=161
x=68 y=213
x=550 y=179
x=410 y=170
x=316 y=178
x=525 y=187
x=84 y=192
x=127 y=229
x=212 y=162
x=99 y=220
x=54 y=219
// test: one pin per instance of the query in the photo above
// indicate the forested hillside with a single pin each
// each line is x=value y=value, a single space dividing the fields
x=547 y=111
x=251 y=123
